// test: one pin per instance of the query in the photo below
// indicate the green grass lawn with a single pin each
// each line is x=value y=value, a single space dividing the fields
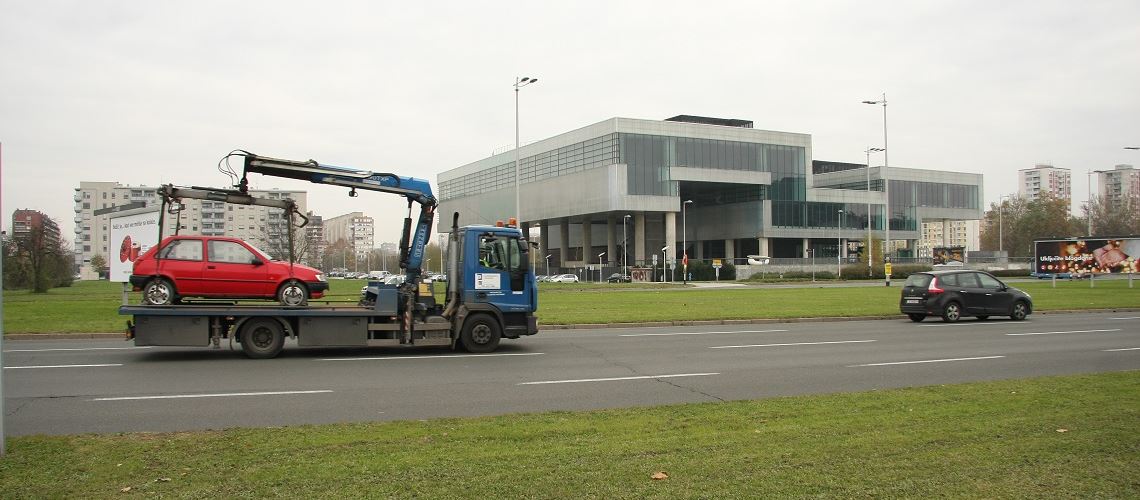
x=92 y=306
x=1056 y=437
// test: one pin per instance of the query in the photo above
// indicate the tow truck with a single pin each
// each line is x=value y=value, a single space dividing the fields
x=491 y=292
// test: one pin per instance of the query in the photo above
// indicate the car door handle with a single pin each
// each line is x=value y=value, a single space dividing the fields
x=211 y=267
x=480 y=295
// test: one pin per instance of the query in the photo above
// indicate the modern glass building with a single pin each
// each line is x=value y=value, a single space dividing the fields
x=640 y=189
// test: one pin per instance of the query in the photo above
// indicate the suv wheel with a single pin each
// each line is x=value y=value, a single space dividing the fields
x=952 y=312
x=1020 y=311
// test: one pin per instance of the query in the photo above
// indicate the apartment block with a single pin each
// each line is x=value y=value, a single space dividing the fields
x=1043 y=178
x=949 y=233
x=355 y=228
x=1124 y=180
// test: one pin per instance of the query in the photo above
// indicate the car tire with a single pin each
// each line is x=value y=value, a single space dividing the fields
x=951 y=312
x=262 y=338
x=481 y=334
x=915 y=317
x=1020 y=311
x=293 y=293
x=160 y=292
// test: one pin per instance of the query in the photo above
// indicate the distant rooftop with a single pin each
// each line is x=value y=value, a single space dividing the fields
x=708 y=120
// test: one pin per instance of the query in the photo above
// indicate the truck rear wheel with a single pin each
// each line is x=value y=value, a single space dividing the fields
x=481 y=334
x=262 y=338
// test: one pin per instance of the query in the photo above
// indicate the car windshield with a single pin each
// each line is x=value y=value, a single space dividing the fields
x=919 y=280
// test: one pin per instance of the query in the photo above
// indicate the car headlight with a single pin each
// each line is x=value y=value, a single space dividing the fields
x=320 y=277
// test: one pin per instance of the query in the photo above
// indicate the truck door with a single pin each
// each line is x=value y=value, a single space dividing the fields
x=500 y=274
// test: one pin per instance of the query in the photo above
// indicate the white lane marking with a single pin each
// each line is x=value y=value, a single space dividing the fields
x=387 y=358
x=61 y=366
x=617 y=378
x=223 y=395
x=797 y=343
x=78 y=349
x=926 y=361
x=694 y=333
x=1125 y=349
x=1130 y=317
x=965 y=324
x=1055 y=333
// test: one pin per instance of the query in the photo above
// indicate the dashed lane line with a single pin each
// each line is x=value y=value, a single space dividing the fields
x=926 y=361
x=613 y=379
x=792 y=344
x=695 y=333
x=220 y=395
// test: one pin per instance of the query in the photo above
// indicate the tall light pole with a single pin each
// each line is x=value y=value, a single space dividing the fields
x=1088 y=204
x=519 y=83
x=624 y=246
x=684 y=244
x=839 y=244
x=886 y=181
x=663 y=271
x=600 y=266
x=548 y=265
x=870 y=252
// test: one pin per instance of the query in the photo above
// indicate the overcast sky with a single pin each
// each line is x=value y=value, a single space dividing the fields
x=151 y=92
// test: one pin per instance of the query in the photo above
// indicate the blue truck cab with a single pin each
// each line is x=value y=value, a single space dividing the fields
x=495 y=277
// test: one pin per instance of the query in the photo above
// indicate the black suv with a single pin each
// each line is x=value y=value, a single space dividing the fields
x=618 y=278
x=953 y=294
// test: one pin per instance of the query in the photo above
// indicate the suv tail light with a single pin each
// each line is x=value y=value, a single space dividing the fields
x=933 y=288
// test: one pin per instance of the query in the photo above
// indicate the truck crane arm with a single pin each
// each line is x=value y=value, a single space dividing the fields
x=415 y=190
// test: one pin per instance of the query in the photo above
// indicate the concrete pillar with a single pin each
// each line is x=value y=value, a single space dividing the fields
x=729 y=250
x=544 y=240
x=806 y=248
x=842 y=248
x=945 y=232
x=698 y=250
x=588 y=256
x=671 y=237
x=611 y=241
x=764 y=247
x=564 y=245
x=640 y=257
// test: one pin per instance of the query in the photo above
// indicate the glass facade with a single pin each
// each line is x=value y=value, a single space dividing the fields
x=907 y=196
x=817 y=215
x=597 y=152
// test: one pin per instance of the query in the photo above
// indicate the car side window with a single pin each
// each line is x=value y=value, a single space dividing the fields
x=182 y=250
x=950 y=280
x=968 y=280
x=229 y=252
x=989 y=281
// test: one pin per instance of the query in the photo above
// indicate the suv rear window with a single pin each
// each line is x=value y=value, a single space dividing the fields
x=920 y=280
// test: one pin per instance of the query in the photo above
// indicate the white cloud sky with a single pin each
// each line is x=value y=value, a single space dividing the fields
x=155 y=92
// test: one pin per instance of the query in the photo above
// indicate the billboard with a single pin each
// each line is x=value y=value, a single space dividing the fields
x=1089 y=256
x=953 y=256
x=133 y=232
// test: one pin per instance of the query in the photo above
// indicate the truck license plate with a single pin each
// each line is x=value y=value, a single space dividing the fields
x=911 y=301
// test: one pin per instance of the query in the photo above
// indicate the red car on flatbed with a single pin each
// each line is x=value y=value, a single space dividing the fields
x=221 y=267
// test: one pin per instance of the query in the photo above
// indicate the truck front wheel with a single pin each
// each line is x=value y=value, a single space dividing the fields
x=481 y=334
x=262 y=338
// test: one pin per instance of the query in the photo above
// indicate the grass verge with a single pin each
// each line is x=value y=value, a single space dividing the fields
x=1072 y=436
x=92 y=306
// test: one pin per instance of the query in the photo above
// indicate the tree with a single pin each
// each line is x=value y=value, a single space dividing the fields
x=99 y=264
x=36 y=260
x=1109 y=218
x=277 y=245
x=1021 y=221
x=338 y=255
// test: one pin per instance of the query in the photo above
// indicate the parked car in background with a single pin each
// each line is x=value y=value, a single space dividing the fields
x=954 y=294
x=619 y=278
x=221 y=267
x=565 y=278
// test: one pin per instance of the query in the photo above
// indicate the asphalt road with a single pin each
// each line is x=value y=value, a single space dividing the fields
x=68 y=387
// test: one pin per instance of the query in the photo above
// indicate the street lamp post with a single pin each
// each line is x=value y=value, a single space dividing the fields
x=1088 y=204
x=684 y=244
x=886 y=181
x=870 y=253
x=839 y=244
x=519 y=83
x=624 y=246
x=1001 y=207
x=548 y=265
x=663 y=263
x=600 y=266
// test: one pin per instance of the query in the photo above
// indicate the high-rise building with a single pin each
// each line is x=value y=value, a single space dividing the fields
x=1032 y=183
x=264 y=227
x=354 y=228
x=315 y=236
x=24 y=222
x=1124 y=180
x=949 y=233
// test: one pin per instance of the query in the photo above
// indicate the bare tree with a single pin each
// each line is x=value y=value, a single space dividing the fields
x=1022 y=221
x=1114 y=218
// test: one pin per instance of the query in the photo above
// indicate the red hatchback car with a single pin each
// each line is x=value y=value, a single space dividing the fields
x=219 y=267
